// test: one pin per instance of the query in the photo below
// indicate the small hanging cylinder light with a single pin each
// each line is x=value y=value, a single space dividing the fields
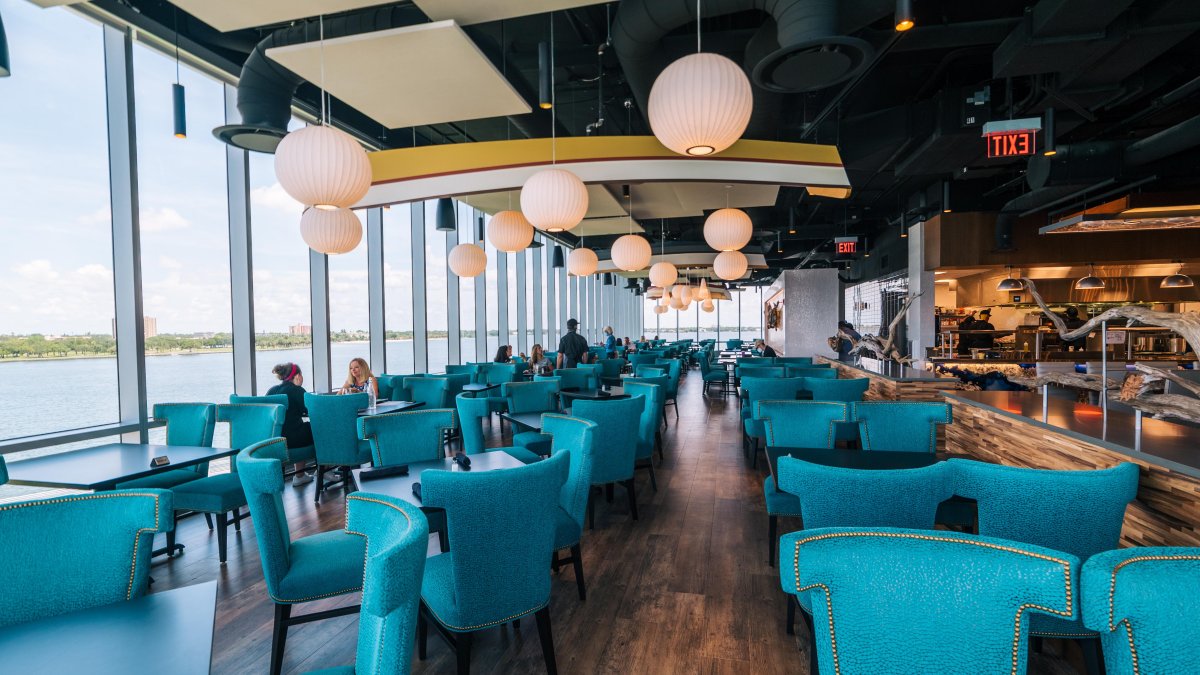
x=904 y=16
x=445 y=218
x=556 y=258
x=544 y=101
x=1049 y=148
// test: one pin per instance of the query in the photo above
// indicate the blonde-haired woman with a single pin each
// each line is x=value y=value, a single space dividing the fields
x=359 y=378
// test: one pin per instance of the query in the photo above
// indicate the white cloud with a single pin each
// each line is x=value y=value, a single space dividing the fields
x=101 y=216
x=40 y=298
x=162 y=220
x=275 y=197
x=168 y=263
x=36 y=270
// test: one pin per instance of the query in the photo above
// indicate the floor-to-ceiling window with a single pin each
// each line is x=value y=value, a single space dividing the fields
x=493 y=295
x=435 y=289
x=750 y=313
x=397 y=287
x=707 y=322
x=466 y=287
x=349 y=329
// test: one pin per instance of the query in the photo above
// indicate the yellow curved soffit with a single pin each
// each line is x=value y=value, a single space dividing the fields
x=456 y=169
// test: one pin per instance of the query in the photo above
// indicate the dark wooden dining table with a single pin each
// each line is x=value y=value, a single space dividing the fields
x=476 y=388
x=170 y=631
x=401 y=486
x=529 y=420
x=385 y=407
x=103 y=467
x=851 y=459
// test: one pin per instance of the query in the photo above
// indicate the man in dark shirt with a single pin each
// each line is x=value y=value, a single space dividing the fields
x=984 y=323
x=1073 y=321
x=572 y=348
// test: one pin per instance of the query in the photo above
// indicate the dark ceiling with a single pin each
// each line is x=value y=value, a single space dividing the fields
x=907 y=121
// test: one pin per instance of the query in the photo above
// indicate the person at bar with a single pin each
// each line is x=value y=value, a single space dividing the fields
x=1073 y=321
x=503 y=354
x=965 y=342
x=296 y=431
x=572 y=348
x=847 y=336
x=764 y=348
x=984 y=323
x=359 y=378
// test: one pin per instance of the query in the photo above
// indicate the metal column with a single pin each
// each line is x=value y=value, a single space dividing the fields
x=521 y=346
x=241 y=256
x=481 y=324
x=453 y=311
x=318 y=289
x=420 y=302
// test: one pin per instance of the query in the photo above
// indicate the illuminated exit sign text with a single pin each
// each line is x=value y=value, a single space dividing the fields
x=1011 y=143
x=846 y=245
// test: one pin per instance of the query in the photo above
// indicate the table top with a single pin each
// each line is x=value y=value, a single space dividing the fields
x=384 y=407
x=401 y=486
x=477 y=387
x=529 y=420
x=591 y=394
x=168 y=631
x=103 y=466
x=873 y=460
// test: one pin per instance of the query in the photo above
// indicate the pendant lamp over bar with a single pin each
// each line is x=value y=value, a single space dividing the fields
x=1091 y=281
x=1177 y=280
x=445 y=217
x=1049 y=149
x=904 y=16
x=1010 y=284
x=544 y=76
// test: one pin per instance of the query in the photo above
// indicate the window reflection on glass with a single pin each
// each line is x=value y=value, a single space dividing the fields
x=397 y=287
x=466 y=287
x=436 y=272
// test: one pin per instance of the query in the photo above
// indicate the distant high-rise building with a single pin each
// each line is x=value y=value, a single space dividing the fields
x=149 y=327
x=300 y=329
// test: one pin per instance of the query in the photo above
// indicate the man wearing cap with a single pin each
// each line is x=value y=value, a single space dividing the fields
x=572 y=348
x=984 y=323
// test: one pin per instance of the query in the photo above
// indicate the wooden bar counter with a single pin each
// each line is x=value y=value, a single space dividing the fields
x=893 y=382
x=1007 y=428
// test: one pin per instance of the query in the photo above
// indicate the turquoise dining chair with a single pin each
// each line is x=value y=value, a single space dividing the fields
x=406 y=437
x=311 y=568
x=221 y=494
x=710 y=376
x=615 y=447
x=849 y=391
x=1079 y=512
x=649 y=371
x=641 y=359
x=396 y=391
x=433 y=392
x=811 y=371
x=651 y=418
x=1145 y=604
x=760 y=371
x=501 y=525
x=396 y=537
x=186 y=424
x=498 y=374
x=531 y=397
x=956 y=603
x=763 y=389
x=471 y=413
x=576 y=378
x=900 y=426
x=461 y=369
x=454 y=383
x=610 y=371
x=576 y=437
x=334 y=421
x=793 y=361
x=65 y=554
x=296 y=455
x=674 y=372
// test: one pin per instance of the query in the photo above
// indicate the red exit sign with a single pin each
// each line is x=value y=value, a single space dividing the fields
x=1011 y=143
x=846 y=245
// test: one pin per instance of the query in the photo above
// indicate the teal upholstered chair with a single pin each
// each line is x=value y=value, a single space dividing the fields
x=496 y=373
x=431 y=391
x=3 y=471
x=760 y=371
x=1079 y=512
x=847 y=391
x=793 y=360
x=471 y=413
x=710 y=376
x=576 y=378
x=651 y=418
x=575 y=436
x=311 y=568
x=610 y=371
x=454 y=383
x=391 y=387
x=397 y=537
x=295 y=455
x=69 y=553
x=811 y=371
x=640 y=359
x=674 y=372
x=900 y=426
x=501 y=526
x=463 y=369
x=955 y=603
x=1145 y=604
x=615 y=448
x=763 y=389
x=406 y=437
x=531 y=397
x=334 y=421
x=731 y=345
x=221 y=494
x=649 y=371
x=187 y=424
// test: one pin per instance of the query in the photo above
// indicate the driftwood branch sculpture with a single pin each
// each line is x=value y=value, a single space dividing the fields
x=883 y=348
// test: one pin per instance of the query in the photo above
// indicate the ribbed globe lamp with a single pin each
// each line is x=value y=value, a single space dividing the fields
x=730 y=265
x=682 y=291
x=663 y=274
x=582 y=262
x=660 y=309
x=467 y=260
x=330 y=232
x=509 y=231
x=631 y=252
x=554 y=200
x=323 y=167
x=728 y=229
x=700 y=104
x=676 y=302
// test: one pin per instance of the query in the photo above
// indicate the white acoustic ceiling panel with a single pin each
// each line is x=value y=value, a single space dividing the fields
x=601 y=202
x=410 y=76
x=467 y=12
x=600 y=226
x=681 y=200
x=227 y=15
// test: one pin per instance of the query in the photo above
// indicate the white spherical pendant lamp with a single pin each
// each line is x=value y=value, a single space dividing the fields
x=728 y=229
x=582 y=262
x=683 y=292
x=323 y=167
x=663 y=274
x=509 y=231
x=676 y=302
x=707 y=306
x=730 y=265
x=554 y=200
x=330 y=232
x=631 y=252
x=467 y=260
x=660 y=309
x=700 y=104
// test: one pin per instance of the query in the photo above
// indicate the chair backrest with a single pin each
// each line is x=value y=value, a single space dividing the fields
x=733 y=344
x=760 y=371
x=188 y=423
x=617 y=427
x=641 y=358
x=900 y=426
x=526 y=397
x=674 y=371
x=3 y=471
x=461 y=369
x=472 y=410
x=334 y=421
x=846 y=391
x=270 y=399
x=260 y=469
x=391 y=387
x=497 y=373
x=811 y=371
x=1080 y=512
x=652 y=411
x=1145 y=603
x=454 y=383
x=501 y=522
x=755 y=361
x=649 y=371
x=611 y=367
x=250 y=423
x=800 y=424
x=839 y=497
x=406 y=437
x=957 y=603
x=793 y=360
x=69 y=553
x=432 y=391
x=577 y=437
x=576 y=378
x=397 y=535
x=771 y=389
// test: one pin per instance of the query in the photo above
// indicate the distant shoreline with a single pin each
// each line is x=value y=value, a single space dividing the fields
x=179 y=352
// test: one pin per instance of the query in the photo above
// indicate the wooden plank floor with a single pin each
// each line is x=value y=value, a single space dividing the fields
x=685 y=589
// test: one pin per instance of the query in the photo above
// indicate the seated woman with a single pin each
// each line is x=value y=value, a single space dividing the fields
x=503 y=354
x=359 y=378
x=296 y=431
x=538 y=363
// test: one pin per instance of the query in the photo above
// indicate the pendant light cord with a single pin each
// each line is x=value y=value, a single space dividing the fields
x=321 y=38
x=697 y=26
x=176 y=45
x=553 y=100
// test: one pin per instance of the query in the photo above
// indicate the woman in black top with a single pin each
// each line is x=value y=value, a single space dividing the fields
x=503 y=354
x=296 y=431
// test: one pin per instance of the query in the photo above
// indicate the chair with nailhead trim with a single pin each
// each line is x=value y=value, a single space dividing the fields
x=502 y=527
x=187 y=424
x=315 y=567
x=406 y=437
x=900 y=426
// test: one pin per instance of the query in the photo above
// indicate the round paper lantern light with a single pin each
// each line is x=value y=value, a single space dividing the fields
x=730 y=265
x=683 y=292
x=554 y=200
x=467 y=260
x=663 y=274
x=728 y=229
x=631 y=252
x=582 y=262
x=707 y=306
x=660 y=309
x=323 y=167
x=700 y=104
x=509 y=231
x=330 y=232
x=677 y=302
x=702 y=292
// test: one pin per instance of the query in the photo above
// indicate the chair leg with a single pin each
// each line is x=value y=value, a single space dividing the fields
x=222 y=535
x=608 y=493
x=320 y=484
x=577 y=563
x=813 y=666
x=279 y=637
x=462 y=647
x=791 y=616
x=171 y=535
x=422 y=633
x=772 y=536
x=632 y=490
x=237 y=519
x=208 y=519
x=653 y=480
x=543 y=624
